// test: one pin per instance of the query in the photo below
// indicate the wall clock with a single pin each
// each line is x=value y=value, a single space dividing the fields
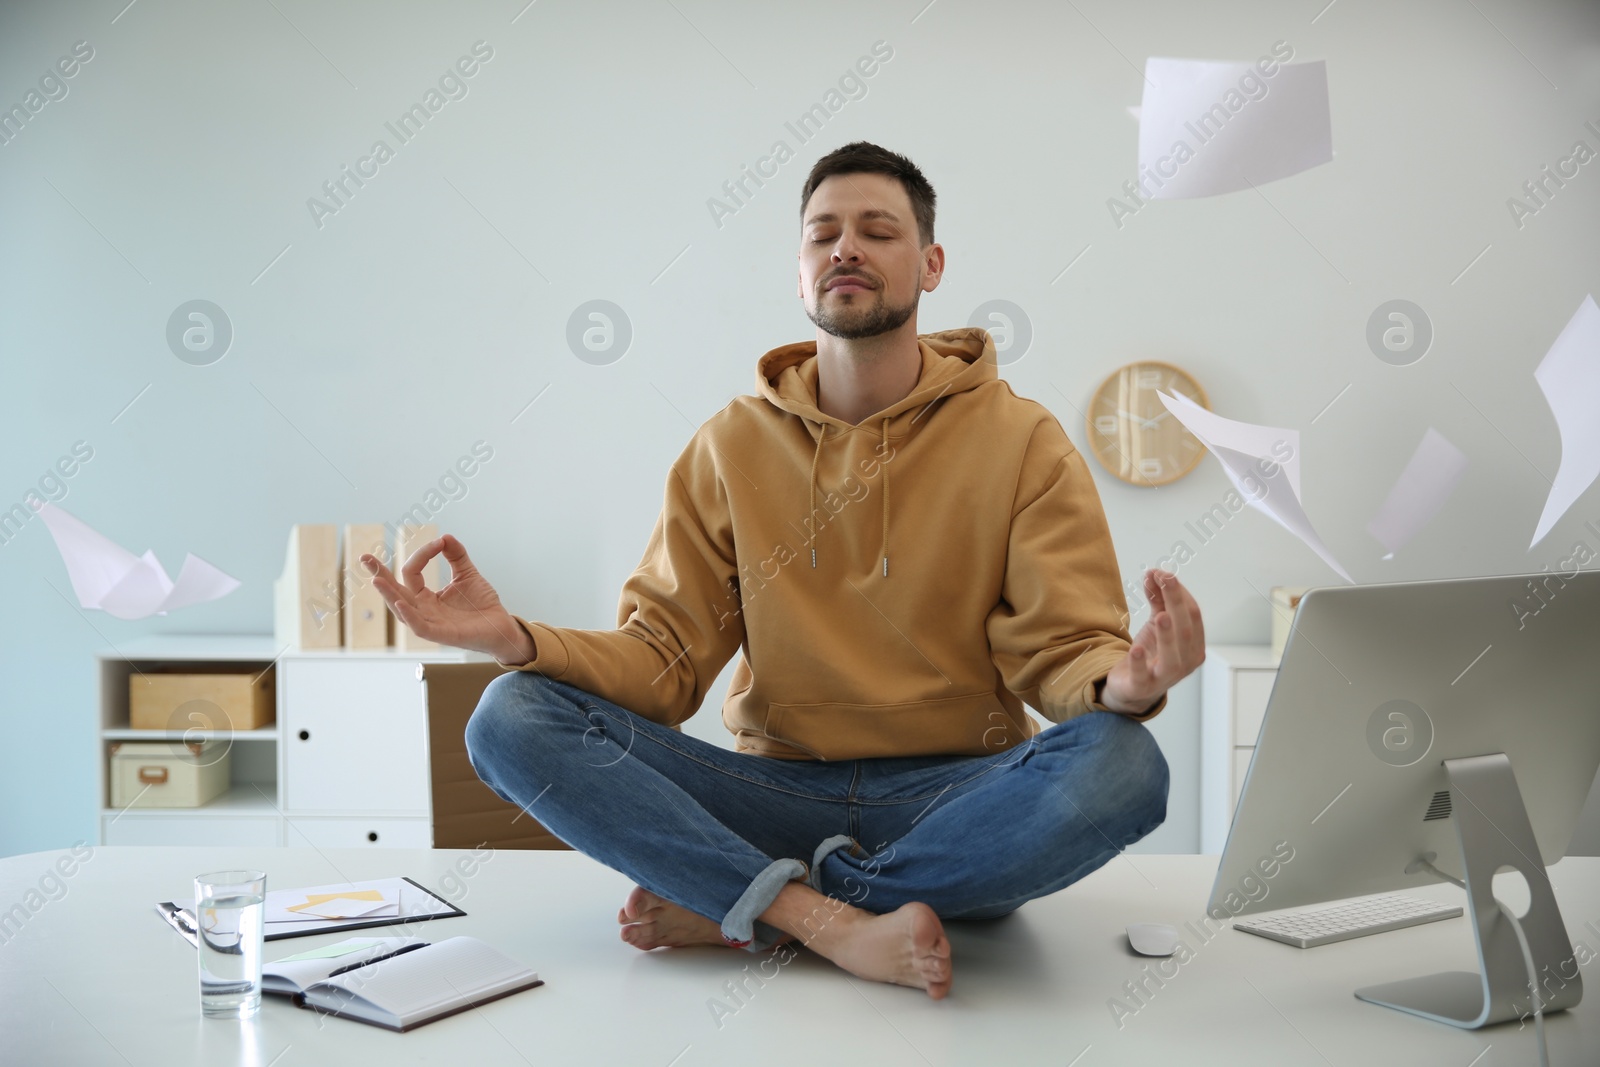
x=1132 y=433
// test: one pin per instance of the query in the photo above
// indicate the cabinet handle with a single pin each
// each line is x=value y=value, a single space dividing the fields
x=305 y=735
x=372 y=835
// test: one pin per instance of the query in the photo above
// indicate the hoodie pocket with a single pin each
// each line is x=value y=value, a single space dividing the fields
x=974 y=724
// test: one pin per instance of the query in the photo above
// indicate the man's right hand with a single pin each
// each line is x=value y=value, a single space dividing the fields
x=464 y=614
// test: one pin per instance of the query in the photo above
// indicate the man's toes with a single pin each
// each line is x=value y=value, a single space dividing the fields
x=640 y=901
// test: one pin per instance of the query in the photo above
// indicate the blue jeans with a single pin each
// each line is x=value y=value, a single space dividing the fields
x=721 y=833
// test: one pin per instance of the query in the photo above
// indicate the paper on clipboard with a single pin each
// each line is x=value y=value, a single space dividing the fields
x=394 y=900
x=346 y=905
x=349 y=900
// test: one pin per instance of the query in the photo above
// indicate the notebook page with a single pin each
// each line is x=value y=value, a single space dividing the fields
x=292 y=976
x=429 y=979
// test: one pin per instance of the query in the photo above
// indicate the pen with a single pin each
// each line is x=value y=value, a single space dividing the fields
x=377 y=959
x=180 y=922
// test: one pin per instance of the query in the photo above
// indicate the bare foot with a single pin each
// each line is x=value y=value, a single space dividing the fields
x=906 y=946
x=648 y=922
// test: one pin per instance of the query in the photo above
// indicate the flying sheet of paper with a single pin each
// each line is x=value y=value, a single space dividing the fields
x=1429 y=477
x=1250 y=454
x=1569 y=375
x=1207 y=128
x=108 y=577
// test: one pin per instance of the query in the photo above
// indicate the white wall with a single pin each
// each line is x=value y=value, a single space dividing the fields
x=425 y=314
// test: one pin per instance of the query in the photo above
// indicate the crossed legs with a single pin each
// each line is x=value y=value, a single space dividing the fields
x=859 y=860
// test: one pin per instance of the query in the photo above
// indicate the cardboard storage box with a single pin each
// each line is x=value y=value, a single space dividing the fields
x=1285 y=601
x=167 y=774
x=201 y=700
x=466 y=813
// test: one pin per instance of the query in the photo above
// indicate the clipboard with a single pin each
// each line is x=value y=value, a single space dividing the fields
x=182 y=919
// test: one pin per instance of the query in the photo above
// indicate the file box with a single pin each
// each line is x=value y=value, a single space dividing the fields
x=211 y=700
x=167 y=774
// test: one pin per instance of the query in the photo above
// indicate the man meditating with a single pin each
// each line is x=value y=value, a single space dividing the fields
x=905 y=553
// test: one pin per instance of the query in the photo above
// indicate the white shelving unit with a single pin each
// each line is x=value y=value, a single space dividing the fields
x=345 y=764
x=1235 y=683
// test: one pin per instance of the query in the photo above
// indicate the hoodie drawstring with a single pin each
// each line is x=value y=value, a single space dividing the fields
x=812 y=514
x=884 y=467
x=811 y=517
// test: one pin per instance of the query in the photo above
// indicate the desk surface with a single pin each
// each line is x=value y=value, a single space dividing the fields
x=97 y=977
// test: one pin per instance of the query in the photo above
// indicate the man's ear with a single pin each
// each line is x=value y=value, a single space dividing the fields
x=932 y=267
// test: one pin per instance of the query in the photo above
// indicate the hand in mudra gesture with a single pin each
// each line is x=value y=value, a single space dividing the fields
x=1166 y=650
x=466 y=613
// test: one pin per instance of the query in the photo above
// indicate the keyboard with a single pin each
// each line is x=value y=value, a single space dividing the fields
x=1355 y=918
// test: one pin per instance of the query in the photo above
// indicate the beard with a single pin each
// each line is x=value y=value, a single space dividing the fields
x=864 y=314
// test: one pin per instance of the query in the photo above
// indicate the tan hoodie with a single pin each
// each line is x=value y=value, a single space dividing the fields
x=872 y=623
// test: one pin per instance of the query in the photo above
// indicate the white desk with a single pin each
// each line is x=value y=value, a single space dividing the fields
x=97 y=977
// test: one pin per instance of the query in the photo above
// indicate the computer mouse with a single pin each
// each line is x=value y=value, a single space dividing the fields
x=1152 y=939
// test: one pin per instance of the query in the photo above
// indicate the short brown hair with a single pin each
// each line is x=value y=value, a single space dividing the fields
x=864 y=157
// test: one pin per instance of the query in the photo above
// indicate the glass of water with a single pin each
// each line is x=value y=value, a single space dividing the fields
x=228 y=907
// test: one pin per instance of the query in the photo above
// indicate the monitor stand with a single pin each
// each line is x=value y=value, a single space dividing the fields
x=1493 y=830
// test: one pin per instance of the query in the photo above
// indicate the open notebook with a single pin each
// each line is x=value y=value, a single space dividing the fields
x=396 y=982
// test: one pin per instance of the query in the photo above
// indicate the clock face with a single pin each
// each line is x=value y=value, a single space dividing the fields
x=1132 y=433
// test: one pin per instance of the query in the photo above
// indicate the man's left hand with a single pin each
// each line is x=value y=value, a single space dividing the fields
x=1169 y=646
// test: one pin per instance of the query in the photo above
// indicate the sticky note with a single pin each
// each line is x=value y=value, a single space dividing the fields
x=342 y=948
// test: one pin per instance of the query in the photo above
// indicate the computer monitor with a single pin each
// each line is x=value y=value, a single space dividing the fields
x=1455 y=722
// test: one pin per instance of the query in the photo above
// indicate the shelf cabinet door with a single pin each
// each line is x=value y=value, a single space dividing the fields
x=326 y=832
x=1236 y=683
x=354 y=737
x=1251 y=690
x=129 y=828
x=1241 y=767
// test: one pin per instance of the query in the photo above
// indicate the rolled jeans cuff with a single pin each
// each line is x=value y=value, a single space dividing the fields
x=739 y=927
x=837 y=841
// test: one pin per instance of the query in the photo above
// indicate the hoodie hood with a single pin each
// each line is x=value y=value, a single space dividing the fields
x=953 y=361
